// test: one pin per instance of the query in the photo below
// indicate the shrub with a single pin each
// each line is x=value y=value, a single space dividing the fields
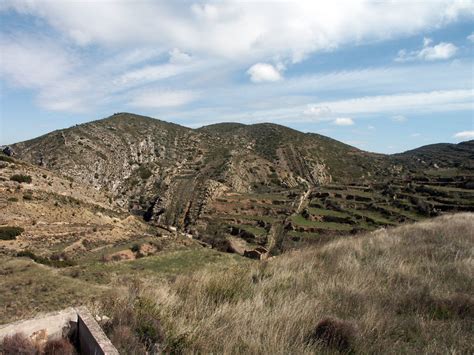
x=135 y=248
x=59 y=347
x=148 y=325
x=21 y=178
x=135 y=326
x=27 y=196
x=45 y=261
x=144 y=172
x=10 y=233
x=334 y=333
x=5 y=158
x=12 y=199
x=18 y=344
x=125 y=340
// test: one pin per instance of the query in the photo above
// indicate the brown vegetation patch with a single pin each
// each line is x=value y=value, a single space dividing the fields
x=18 y=344
x=334 y=333
x=59 y=347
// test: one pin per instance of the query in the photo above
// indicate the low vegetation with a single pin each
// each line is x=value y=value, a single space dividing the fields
x=10 y=233
x=55 y=261
x=21 y=178
x=407 y=289
x=19 y=343
x=6 y=158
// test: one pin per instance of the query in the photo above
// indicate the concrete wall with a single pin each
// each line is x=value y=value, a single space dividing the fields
x=86 y=332
x=91 y=338
x=54 y=324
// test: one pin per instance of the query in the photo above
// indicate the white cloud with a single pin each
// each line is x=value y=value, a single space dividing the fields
x=441 y=51
x=161 y=99
x=262 y=72
x=241 y=31
x=370 y=127
x=399 y=118
x=471 y=37
x=318 y=111
x=39 y=64
x=343 y=121
x=464 y=135
x=179 y=57
x=427 y=41
x=434 y=101
x=33 y=62
x=373 y=106
x=414 y=135
x=149 y=73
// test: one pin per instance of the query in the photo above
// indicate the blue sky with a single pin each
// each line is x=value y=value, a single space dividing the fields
x=382 y=76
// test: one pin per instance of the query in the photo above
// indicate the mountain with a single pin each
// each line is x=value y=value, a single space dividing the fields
x=261 y=184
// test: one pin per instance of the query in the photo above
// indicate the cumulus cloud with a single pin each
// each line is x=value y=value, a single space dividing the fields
x=441 y=51
x=160 y=99
x=471 y=37
x=464 y=135
x=262 y=72
x=343 y=121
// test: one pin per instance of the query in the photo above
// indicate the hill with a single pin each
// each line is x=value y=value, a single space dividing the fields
x=264 y=184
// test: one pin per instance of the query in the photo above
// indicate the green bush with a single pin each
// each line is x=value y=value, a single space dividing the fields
x=144 y=172
x=21 y=178
x=5 y=158
x=10 y=233
x=45 y=261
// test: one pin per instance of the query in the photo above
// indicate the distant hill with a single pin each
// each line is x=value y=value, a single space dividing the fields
x=443 y=155
x=231 y=179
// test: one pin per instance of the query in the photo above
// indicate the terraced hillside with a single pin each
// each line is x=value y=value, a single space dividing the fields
x=239 y=186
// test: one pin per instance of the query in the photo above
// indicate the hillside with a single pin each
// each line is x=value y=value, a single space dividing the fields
x=62 y=242
x=444 y=155
x=263 y=184
x=403 y=290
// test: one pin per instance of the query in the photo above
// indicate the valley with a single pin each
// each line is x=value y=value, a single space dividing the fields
x=129 y=200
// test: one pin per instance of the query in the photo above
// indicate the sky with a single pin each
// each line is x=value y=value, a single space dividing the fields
x=384 y=76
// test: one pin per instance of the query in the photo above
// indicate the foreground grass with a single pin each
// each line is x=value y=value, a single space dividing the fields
x=28 y=288
x=402 y=290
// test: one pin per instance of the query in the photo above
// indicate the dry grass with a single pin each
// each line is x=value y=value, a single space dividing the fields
x=403 y=290
x=59 y=347
x=18 y=344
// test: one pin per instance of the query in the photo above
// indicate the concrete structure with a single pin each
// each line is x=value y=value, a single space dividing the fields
x=259 y=253
x=77 y=324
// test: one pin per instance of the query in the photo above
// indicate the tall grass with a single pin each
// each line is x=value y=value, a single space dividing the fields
x=407 y=289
